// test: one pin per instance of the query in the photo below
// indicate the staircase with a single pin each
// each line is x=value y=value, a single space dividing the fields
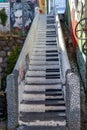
x=43 y=105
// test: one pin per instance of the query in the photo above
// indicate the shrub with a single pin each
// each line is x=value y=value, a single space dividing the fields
x=12 y=59
x=3 y=16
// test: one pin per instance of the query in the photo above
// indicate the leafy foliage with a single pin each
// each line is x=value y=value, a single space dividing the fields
x=3 y=16
x=12 y=59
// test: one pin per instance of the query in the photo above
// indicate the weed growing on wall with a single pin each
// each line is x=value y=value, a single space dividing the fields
x=3 y=17
x=12 y=59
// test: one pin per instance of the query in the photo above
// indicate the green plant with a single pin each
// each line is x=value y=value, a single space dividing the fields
x=17 y=32
x=10 y=65
x=3 y=82
x=12 y=59
x=3 y=16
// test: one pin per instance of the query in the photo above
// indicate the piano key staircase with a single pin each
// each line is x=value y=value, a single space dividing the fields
x=43 y=105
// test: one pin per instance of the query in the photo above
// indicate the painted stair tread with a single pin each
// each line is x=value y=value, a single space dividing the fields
x=45 y=46
x=42 y=73
x=60 y=125
x=44 y=39
x=43 y=87
x=41 y=127
x=46 y=32
x=40 y=108
x=46 y=102
x=44 y=49
x=41 y=81
x=45 y=63
x=42 y=97
x=45 y=29
x=47 y=93
x=44 y=53
x=32 y=116
x=45 y=58
x=38 y=67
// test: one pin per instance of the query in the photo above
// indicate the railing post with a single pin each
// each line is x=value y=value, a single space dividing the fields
x=73 y=101
x=12 y=101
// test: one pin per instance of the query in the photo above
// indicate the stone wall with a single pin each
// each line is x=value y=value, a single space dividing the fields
x=73 y=111
x=8 y=42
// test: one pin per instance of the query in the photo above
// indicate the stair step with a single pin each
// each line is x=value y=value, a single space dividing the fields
x=52 y=59
x=51 y=44
x=53 y=94
x=43 y=62
x=50 y=70
x=50 y=32
x=41 y=127
x=50 y=36
x=43 y=87
x=50 y=51
x=41 y=116
x=45 y=92
x=44 y=67
x=50 y=26
x=44 y=37
x=43 y=97
x=46 y=102
x=44 y=125
x=50 y=17
x=41 y=81
x=43 y=58
x=45 y=41
x=44 y=49
x=51 y=41
x=45 y=45
x=41 y=108
x=50 y=22
x=60 y=98
x=44 y=53
x=44 y=30
x=41 y=74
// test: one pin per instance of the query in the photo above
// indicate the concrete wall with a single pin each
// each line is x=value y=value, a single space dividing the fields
x=73 y=111
x=61 y=46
